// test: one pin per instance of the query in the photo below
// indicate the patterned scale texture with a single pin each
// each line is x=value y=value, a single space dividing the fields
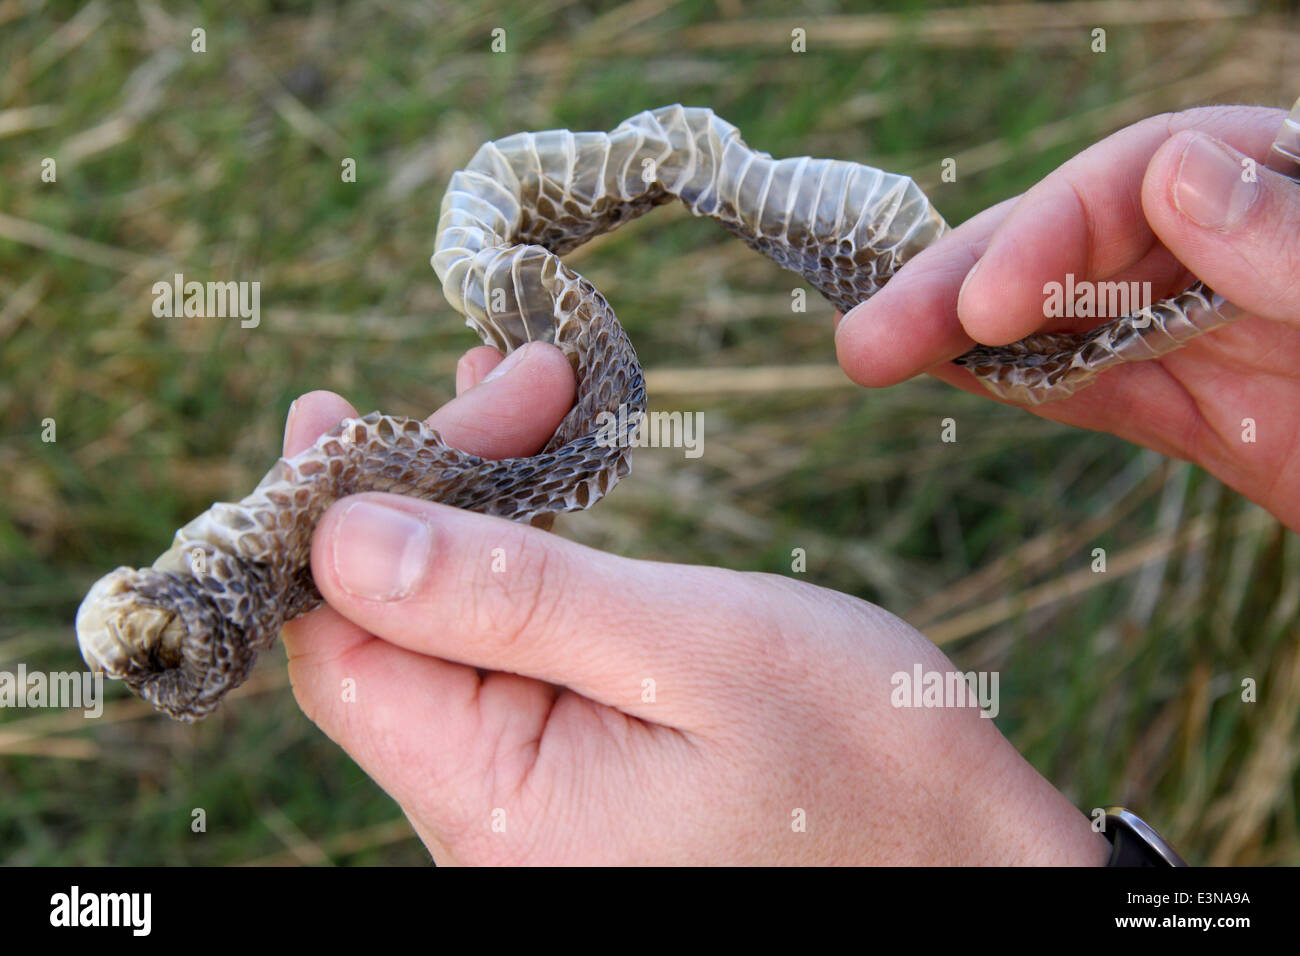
x=185 y=631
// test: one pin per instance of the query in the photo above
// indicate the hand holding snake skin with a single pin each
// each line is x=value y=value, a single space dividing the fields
x=185 y=631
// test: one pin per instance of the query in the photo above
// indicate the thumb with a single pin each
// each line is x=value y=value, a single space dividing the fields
x=1232 y=221
x=502 y=596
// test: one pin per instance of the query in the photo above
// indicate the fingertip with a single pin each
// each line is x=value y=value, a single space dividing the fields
x=1160 y=181
x=991 y=306
x=516 y=412
x=375 y=548
x=969 y=306
x=911 y=325
x=1230 y=220
x=906 y=328
x=474 y=365
x=327 y=538
x=858 y=347
x=311 y=416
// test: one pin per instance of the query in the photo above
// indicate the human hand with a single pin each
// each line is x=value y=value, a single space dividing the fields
x=529 y=700
x=1150 y=203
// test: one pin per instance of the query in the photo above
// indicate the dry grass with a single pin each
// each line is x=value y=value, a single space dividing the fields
x=1118 y=687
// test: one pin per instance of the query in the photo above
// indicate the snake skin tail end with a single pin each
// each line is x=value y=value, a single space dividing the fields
x=167 y=656
x=117 y=635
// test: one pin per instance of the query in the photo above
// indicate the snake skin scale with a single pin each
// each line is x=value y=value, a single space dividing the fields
x=185 y=631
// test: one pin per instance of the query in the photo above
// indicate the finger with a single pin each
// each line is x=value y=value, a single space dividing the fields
x=537 y=382
x=499 y=595
x=1087 y=219
x=474 y=365
x=477 y=365
x=512 y=411
x=515 y=408
x=1234 y=222
x=415 y=723
x=911 y=324
x=311 y=416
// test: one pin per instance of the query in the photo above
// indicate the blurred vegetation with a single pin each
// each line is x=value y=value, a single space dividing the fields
x=1122 y=687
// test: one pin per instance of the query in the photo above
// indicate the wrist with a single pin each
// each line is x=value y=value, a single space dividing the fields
x=1022 y=820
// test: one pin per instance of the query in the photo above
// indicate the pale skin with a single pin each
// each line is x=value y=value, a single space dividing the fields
x=580 y=707
x=1113 y=213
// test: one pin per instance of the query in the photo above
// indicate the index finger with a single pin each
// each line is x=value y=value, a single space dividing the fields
x=911 y=324
x=1086 y=220
x=514 y=414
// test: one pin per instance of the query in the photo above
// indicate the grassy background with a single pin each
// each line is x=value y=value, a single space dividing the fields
x=1120 y=687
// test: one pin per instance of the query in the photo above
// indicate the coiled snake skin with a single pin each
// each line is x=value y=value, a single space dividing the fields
x=185 y=631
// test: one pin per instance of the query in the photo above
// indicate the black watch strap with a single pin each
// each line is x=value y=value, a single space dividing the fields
x=1135 y=842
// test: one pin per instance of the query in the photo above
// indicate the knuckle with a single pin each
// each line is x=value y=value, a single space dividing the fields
x=517 y=593
x=1285 y=222
x=1273 y=254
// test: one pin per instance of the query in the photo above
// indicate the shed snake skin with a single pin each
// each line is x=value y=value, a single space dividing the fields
x=185 y=631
